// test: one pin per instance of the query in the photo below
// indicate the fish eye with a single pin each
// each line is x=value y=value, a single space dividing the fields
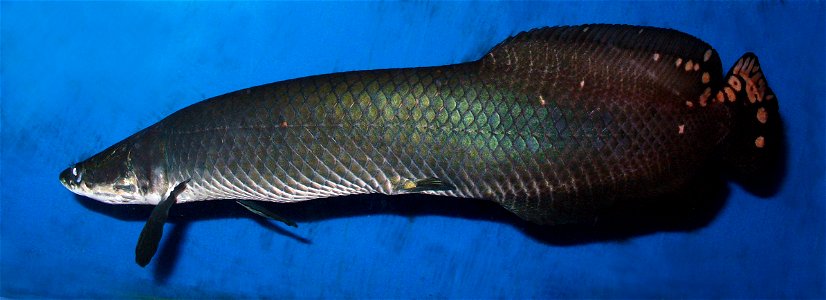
x=78 y=175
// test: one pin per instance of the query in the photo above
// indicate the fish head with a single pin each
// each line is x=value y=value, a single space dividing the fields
x=108 y=176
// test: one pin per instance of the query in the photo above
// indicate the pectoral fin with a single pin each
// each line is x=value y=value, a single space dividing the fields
x=427 y=184
x=261 y=211
x=153 y=229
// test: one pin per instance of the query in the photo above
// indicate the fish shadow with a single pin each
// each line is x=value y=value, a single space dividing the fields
x=689 y=209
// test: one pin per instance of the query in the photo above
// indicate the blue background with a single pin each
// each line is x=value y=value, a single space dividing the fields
x=78 y=77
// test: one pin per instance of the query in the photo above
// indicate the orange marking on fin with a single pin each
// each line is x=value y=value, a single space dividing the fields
x=706 y=77
x=689 y=65
x=762 y=115
x=751 y=91
x=745 y=68
x=734 y=83
x=284 y=124
x=689 y=104
x=759 y=142
x=751 y=64
x=730 y=94
x=696 y=67
x=757 y=77
x=656 y=56
x=704 y=97
x=720 y=97
x=738 y=66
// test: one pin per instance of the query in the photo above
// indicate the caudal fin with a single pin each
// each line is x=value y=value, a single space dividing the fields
x=753 y=148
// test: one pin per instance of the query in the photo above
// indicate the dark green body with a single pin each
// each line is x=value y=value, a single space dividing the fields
x=553 y=135
x=553 y=124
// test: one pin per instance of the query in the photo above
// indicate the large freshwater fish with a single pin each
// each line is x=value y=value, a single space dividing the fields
x=555 y=124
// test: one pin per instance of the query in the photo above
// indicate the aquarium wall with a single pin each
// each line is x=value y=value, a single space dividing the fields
x=78 y=77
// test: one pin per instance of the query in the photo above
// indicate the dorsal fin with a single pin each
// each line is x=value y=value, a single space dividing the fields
x=642 y=38
x=574 y=55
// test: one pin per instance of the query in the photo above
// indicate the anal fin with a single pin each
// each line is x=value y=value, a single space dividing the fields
x=264 y=212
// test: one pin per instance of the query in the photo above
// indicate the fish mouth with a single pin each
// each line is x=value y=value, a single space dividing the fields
x=69 y=178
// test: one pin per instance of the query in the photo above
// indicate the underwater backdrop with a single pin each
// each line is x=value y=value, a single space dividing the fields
x=80 y=76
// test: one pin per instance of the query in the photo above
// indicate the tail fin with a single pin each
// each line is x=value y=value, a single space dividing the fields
x=755 y=146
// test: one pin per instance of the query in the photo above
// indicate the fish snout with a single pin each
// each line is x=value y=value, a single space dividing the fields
x=71 y=178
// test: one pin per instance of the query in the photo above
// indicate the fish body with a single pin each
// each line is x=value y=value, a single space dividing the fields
x=554 y=124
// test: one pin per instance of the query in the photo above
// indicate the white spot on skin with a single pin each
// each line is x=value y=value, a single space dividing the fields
x=74 y=171
x=689 y=104
x=656 y=56
x=681 y=129
x=689 y=65
x=707 y=55
x=541 y=100
x=696 y=67
x=581 y=84
x=585 y=29
x=678 y=62
x=79 y=178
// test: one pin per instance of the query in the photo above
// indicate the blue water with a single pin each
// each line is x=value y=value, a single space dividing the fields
x=77 y=77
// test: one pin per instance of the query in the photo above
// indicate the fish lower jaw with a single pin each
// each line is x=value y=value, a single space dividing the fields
x=112 y=198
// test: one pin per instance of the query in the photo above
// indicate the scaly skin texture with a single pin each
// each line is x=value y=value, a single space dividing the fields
x=553 y=124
